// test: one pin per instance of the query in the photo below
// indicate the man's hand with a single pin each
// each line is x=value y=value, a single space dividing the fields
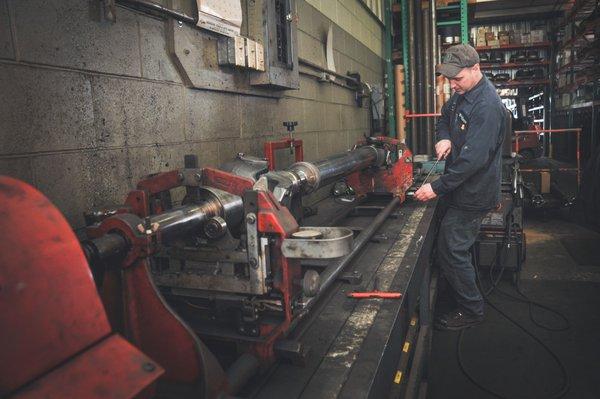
x=425 y=193
x=443 y=148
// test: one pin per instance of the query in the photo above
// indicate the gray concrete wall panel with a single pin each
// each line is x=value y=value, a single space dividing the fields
x=44 y=110
x=94 y=106
x=77 y=181
x=64 y=33
x=156 y=62
x=134 y=112
x=19 y=168
x=212 y=116
x=259 y=116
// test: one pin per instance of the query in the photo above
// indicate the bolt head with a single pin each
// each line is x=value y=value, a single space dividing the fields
x=251 y=218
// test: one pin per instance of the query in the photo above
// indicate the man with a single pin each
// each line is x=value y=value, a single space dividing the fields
x=470 y=134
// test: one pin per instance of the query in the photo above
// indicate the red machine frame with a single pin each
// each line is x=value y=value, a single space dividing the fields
x=271 y=146
x=56 y=340
x=135 y=305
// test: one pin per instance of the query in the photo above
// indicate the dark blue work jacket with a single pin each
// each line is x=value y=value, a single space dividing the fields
x=474 y=122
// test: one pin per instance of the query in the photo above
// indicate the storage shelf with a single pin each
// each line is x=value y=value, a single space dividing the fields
x=575 y=66
x=513 y=65
x=579 y=40
x=522 y=83
x=538 y=108
x=514 y=46
x=448 y=23
x=447 y=8
x=580 y=12
x=586 y=104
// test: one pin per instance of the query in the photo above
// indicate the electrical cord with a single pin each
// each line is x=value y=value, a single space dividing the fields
x=565 y=386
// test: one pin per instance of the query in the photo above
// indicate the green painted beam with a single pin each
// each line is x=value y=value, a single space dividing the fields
x=447 y=23
x=445 y=8
x=464 y=23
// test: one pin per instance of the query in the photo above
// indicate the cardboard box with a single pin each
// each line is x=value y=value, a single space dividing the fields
x=545 y=182
x=525 y=38
x=490 y=36
x=493 y=43
x=537 y=36
x=515 y=37
x=504 y=38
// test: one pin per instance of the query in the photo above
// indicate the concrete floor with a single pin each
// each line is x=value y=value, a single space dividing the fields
x=501 y=356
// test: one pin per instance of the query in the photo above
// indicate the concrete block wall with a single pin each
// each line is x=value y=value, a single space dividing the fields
x=89 y=107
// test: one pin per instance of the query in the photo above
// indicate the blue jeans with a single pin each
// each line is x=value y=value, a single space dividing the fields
x=457 y=234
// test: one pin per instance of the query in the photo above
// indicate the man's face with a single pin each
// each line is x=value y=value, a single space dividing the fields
x=466 y=79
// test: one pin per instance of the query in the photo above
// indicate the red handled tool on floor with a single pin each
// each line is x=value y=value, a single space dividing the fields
x=375 y=293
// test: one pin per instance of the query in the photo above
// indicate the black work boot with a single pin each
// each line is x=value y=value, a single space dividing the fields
x=457 y=319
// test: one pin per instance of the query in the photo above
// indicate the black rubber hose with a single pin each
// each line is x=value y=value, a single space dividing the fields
x=565 y=386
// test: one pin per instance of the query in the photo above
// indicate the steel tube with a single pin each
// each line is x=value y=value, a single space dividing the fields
x=420 y=74
x=428 y=89
x=313 y=175
x=331 y=169
x=161 y=9
x=412 y=74
x=176 y=222
x=329 y=275
x=104 y=247
x=434 y=58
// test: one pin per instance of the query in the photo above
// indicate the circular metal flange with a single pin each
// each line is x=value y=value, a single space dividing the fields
x=309 y=174
x=307 y=234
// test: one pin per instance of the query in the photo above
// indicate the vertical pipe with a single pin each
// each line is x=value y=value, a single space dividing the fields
x=578 y=131
x=400 y=103
x=428 y=87
x=405 y=60
x=389 y=71
x=434 y=52
x=439 y=93
x=412 y=71
x=420 y=108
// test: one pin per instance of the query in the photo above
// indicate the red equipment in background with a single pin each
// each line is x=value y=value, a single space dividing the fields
x=527 y=142
x=55 y=339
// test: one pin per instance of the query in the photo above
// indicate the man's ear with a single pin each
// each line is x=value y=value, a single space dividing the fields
x=476 y=68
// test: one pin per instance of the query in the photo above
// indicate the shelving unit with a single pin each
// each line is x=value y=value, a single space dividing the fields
x=577 y=71
x=457 y=15
x=515 y=47
x=514 y=65
x=530 y=95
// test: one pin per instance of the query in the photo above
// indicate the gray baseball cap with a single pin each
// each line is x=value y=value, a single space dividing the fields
x=456 y=58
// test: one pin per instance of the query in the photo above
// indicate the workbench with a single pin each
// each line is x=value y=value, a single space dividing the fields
x=356 y=344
